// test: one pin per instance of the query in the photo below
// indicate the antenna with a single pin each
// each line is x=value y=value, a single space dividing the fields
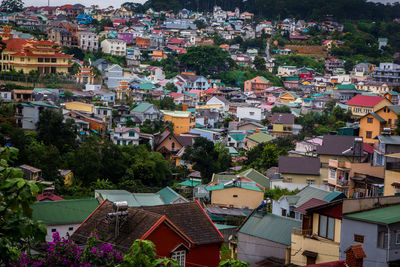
x=120 y=211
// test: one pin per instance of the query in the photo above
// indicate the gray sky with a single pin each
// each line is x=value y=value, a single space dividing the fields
x=114 y=3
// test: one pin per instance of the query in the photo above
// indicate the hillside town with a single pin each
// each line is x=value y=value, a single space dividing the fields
x=137 y=136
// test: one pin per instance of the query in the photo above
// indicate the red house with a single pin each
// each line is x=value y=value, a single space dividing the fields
x=181 y=231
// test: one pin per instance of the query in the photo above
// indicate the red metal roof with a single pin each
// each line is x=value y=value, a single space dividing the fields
x=314 y=202
x=48 y=196
x=365 y=100
x=368 y=148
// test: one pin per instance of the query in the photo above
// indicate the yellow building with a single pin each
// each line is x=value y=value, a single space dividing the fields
x=33 y=55
x=282 y=124
x=236 y=195
x=183 y=121
x=361 y=105
x=318 y=240
x=373 y=124
x=302 y=170
x=80 y=106
x=392 y=175
x=288 y=97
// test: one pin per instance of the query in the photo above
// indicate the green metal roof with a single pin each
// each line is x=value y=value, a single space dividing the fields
x=221 y=187
x=225 y=177
x=387 y=215
x=334 y=195
x=264 y=79
x=233 y=151
x=118 y=195
x=146 y=86
x=305 y=195
x=379 y=118
x=238 y=136
x=260 y=138
x=395 y=109
x=346 y=87
x=142 y=107
x=291 y=78
x=148 y=199
x=223 y=226
x=191 y=182
x=168 y=195
x=270 y=227
x=257 y=177
x=64 y=211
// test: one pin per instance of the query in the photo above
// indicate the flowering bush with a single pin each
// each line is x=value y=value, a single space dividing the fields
x=64 y=252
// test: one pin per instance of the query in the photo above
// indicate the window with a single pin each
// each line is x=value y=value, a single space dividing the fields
x=70 y=228
x=131 y=133
x=235 y=195
x=326 y=227
x=358 y=238
x=370 y=120
x=382 y=239
x=283 y=212
x=289 y=180
x=40 y=59
x=332 y=174
x=390 y=121
x=180 y=257
x=251 y=113
x=398 y=237
x=53 y=60
x=47 y=59
x=368 y=134
x=310 y=181
x=53 y=230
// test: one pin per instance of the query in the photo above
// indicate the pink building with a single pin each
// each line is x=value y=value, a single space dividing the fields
x=257 y=84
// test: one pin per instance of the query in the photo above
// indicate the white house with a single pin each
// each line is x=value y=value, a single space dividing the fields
x=219 y=100
x=287 y=71
x=115 y=47
x=156 y=74
x=88 y=40
x=253 y=113
x=63 y=216
x=6 y=95
x=125 y=136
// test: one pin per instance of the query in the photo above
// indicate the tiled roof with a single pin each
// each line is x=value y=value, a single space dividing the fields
x=283 y=118
x=191 y=219
x=270 y=227
x=299 y=165
x=365 y=100
x=386 y=215
x=63 y=212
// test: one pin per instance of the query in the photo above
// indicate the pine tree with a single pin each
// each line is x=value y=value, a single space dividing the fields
x=12 y=5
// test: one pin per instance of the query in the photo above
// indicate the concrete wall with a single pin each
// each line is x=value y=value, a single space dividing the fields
x=375 y=256
x=277 y=207
x=63 y=230
x=253 y=249
x=245 y=198
x=361 y=204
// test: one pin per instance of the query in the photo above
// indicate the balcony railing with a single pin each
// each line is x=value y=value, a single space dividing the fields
x=300 y=231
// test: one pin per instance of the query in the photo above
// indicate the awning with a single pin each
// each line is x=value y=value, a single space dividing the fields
x=310 y=254
x=396 y=184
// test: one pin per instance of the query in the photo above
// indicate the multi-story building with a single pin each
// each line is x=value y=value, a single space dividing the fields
x=183 y=121
x=114 y=47
x=392 y=174
x=125 y=136
x=387 y=72
x=256 y=84
x=27 y=115
x=361 y=105
x=32 y=55
x=60 y=36
x=88 y=40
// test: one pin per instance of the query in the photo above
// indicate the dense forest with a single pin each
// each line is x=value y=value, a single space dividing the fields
x=279 y=9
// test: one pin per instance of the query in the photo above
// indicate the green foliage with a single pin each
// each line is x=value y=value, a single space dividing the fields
x=171 y=87
x=206 y=60
x=207 y=158
x=12 y=86
x=277 y=192
x=259 y=63
x=76 y=51
x=200 y=24
x=282 y=109
x=300 y=61
x=233 y=263
x=17 y=229
x=238 y=77
x=12 y=5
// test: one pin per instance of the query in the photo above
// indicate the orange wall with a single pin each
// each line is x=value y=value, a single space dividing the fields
x=181 y=124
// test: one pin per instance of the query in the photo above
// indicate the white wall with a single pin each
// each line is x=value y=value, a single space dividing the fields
x=249 y=112
x=61 y=229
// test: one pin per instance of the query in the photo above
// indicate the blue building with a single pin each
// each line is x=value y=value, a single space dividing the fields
x=84 y=19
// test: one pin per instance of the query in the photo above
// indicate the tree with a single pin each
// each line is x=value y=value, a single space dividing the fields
x=17 y=229
x=206 y=60
x=207 y=158
x=53 y=131
x=171 y=87
x=200 y=24
x=12 y=6
x=282 y=109
x=259 y=63
x=233 y=263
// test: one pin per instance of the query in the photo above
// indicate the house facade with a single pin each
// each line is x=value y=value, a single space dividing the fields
x=114 y=47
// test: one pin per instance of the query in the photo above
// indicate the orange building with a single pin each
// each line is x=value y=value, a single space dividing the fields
x=183 y=121
x=158 y=55
x=373 y=124
x=142 y=42
x=257 y=84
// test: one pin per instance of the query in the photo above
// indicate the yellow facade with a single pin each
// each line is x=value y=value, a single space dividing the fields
x=371 y=126
x=237 y=197
x=282 y=128
x=79 y=106
x=286 y=98
x=360 y=111
x=391 y=176
x=182 y=121
x=307 y=179
x=328 y=250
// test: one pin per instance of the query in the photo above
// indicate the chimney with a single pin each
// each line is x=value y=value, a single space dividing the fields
x=355 y=256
